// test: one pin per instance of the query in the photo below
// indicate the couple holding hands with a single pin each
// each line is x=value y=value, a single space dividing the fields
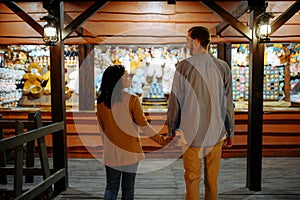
x=200 y=119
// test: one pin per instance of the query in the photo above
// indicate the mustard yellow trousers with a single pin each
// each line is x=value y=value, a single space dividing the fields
x=192 y=160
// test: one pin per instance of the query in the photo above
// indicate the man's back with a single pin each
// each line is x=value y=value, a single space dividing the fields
x=200 y=93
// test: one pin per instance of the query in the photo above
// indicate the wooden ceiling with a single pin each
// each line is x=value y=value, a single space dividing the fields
x=142 y=22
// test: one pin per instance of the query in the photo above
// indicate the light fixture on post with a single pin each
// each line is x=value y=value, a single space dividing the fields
x=50 y=30
x=264 y=27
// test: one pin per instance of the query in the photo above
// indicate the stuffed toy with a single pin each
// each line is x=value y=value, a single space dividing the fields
x=33 y=78
x=47 y=88
x=46 y=77
x=168 y=71
x=138 y=81
x=73 y=84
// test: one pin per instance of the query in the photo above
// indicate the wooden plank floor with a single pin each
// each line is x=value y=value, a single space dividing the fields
x=280 y=180
x=163 y=179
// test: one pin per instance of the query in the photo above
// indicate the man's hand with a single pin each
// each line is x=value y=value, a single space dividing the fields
x=227 y=142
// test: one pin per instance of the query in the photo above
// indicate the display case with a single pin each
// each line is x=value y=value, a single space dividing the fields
x=240 y=82
x=148 y=65
x=10 y=87
x=273 y=82
x=151 y=67
x=25 y=75
x=281 y=72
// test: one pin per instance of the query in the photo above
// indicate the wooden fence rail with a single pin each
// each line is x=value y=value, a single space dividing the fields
x=50 y=176
x=14 y=141
x=30 y=151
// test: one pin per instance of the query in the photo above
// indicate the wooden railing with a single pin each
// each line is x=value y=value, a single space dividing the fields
x=29 y=124
x=16 y=142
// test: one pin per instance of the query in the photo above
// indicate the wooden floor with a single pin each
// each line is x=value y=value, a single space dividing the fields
x=163 y=179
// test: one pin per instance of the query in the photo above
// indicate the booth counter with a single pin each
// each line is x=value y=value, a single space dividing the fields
x=281 y=135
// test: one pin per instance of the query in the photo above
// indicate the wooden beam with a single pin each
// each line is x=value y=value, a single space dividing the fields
x=127 y=0
x=52 y=5
x=23 y=15
x=285 y=16
x=237 y=12
x=82 y=31
x=235 y=23
x=82 y=18
x=69 y=19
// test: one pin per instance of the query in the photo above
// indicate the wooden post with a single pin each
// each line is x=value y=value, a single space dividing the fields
x=287 y=82
x=3 y=179
x=221 y=51
x=18 y=176
x=255 y=108
x=43 y=152
x=58 y=103
x=30 y=152
x=86 y=77
x=224 y=52
x=228 y=47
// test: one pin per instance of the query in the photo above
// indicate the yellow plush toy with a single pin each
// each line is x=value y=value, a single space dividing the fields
x=33 y=78
x=47 y=88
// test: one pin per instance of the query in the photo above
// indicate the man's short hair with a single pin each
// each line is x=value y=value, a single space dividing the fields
x=201 y=33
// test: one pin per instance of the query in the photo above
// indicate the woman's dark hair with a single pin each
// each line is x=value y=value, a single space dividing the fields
x=111 y=85
x=201 y=33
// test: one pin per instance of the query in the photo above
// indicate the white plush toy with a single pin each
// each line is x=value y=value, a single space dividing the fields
x=169 y=71
x=138 y=81
x=98 y=78
x=74 y=82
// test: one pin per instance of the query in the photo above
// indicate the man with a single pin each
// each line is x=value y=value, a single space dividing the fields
x=201 y=107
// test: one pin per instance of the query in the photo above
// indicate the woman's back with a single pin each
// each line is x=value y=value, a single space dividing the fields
x=120 y=124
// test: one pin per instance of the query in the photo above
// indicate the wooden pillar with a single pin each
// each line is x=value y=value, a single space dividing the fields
x=58 y=103
x=86 y=77
x=255 y=108
x=224 y=52
x=221 y=51
x=228 y=48
x=287 y=82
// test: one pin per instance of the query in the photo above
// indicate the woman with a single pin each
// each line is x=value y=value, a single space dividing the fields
x=120 y=116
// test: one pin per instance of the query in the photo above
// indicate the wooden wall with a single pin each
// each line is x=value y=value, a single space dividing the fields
x=281 y=134
x=139 y=22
